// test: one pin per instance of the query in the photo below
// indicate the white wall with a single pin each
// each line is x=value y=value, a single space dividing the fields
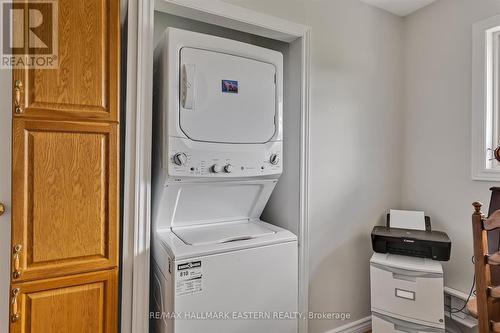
x=355 y=142
x=437 y=124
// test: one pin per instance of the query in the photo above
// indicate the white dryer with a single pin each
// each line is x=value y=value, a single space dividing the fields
x=217 y=268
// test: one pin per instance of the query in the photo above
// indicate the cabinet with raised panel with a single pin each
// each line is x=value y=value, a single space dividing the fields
x=77 y=304
x=85 y=85
x=66 y=198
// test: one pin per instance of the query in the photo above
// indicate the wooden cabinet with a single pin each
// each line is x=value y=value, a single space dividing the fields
x=85 y=85
x=83 y=303
x=66 y=207
x=65 y=178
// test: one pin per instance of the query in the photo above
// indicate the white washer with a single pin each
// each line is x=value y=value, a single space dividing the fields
x=217 y=268
x=237 y=277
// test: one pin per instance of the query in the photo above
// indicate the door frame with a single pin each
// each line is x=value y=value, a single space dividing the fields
x=137 y=168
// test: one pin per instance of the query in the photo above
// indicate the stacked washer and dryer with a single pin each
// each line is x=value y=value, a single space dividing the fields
x=217 y=156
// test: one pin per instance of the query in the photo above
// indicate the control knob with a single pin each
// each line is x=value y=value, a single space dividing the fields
x=180 y=158
x=228 y=168
x=274 y=159
x=216 y=168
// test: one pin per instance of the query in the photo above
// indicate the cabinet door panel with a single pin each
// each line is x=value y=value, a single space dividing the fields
x=65 y=185
x=83 y=303
x=85 y=85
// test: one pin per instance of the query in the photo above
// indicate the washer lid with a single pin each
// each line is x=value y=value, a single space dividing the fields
x=226 y=98
x=189 y=204
x=177 y=248
x=222 y=233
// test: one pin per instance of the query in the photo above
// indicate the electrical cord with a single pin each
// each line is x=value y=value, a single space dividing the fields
x=454 y=310
x=453 y=321
x=472 y=291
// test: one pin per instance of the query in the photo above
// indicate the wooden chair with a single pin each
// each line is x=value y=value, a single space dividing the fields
x=485 y=307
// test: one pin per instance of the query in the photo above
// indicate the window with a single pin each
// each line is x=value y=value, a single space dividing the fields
x=486 y=99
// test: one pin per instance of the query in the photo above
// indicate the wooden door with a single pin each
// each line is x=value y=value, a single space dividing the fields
x=83 y=303
x=65 y=178
x=85 y=86
x=66 y=211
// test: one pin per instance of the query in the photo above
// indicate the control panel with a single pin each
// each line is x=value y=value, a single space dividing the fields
x=195 y=159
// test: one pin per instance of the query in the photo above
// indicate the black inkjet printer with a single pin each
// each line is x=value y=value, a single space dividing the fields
x=414 y=243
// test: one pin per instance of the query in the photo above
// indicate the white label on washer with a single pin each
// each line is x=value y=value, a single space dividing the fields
x=189 y=278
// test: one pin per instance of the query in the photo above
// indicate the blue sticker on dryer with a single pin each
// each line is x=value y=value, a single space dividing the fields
x=230 y=86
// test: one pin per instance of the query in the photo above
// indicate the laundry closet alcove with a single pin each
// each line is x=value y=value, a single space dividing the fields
x=288 y=205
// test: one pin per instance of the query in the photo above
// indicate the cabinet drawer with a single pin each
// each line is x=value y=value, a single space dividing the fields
x=386 y=324
x=77 y=304
x=414 y=296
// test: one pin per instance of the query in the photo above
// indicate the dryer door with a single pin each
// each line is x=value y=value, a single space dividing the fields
x=226 y=98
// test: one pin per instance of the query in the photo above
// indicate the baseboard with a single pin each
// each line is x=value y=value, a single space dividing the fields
x=358 y=326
